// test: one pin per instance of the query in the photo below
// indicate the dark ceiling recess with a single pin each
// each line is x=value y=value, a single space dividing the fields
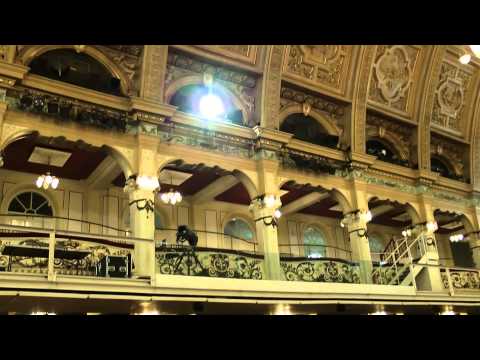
x=75 y=68
x=444 y=218
x=237 y=194
x=83 y=161
x=322 y=208
x=386 y=218
x=306 y=128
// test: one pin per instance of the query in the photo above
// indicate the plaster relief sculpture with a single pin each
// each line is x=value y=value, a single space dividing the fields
x=324 y=64
x=393 y=71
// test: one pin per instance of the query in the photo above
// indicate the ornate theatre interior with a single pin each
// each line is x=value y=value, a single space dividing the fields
x=239 y=179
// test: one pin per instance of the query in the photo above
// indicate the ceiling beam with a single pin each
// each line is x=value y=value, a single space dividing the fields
x=303 y=202
x=214 y=189
x=382 y=209
x=104 y=174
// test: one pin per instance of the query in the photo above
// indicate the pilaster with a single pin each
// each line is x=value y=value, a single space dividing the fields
x=154 y=67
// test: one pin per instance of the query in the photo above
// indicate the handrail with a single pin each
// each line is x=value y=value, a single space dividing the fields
x=395 y=255
x=212 y=232
x=62 y=218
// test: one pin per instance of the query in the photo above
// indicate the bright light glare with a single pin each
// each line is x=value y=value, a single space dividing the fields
x=211 y=106
x=476 y=50
x=277 y=214
x=465 y=59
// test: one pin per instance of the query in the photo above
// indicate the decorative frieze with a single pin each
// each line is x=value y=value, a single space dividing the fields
x=218 y=72
x=334 y=109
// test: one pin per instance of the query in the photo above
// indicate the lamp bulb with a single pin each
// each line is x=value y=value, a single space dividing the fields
x=465 y=59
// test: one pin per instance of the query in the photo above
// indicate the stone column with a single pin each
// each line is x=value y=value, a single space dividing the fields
x=142 y=225
x=267 y=235
x=429 y=278
x=357 y=228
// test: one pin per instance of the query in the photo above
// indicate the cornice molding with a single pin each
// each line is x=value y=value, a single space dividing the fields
x=15 y=71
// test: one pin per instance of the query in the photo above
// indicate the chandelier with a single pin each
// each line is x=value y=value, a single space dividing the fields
x=171 y=197
x=467 y=56
x=46 y=181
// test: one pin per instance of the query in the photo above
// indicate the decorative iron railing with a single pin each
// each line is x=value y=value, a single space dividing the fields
x=320 y=270
x=68 y=109
x=461 y=278
x=181 y=260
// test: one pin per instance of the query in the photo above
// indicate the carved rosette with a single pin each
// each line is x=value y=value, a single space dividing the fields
x=450 y=96
x=319 y=64
x=393 y=74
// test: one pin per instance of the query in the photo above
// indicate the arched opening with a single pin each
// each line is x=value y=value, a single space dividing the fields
x=384 y=152
x=211 y=102
x=389 y=218
x=453 y=253
x=81 y=169
x=441 y=166
x=308 y=129
x=312 y=212
x=75 y=68
x=211 y=195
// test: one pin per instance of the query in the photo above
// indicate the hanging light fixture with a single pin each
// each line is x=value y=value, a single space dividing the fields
x=171 y=197
x=46 y=181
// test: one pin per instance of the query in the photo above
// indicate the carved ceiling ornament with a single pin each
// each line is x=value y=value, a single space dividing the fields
x=393 y=71
x=450 y=96
x=324 y=64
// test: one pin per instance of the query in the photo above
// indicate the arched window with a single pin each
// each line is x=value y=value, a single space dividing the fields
x=75 y=68
x=30 y=203
x=314 y=242
x=239 y=228
x=210 y=102
x=306 y=128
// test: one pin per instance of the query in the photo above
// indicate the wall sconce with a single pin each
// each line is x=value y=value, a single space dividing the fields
x=365 y=215
x=273 y=219
x=142 y=182
x=1 y=160
x=460 y=237
x=431 y=226
x=268 y=201
x=360 y=232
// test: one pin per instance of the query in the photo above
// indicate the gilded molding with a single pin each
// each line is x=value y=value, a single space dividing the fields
x=359 y=103
x=433 y=77
x=272 y=82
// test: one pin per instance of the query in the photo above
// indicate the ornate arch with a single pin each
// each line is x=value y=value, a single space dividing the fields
x=14 y=135
x=198 y=80
x=412 y=211
x=29 y=53
x=325 y=122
